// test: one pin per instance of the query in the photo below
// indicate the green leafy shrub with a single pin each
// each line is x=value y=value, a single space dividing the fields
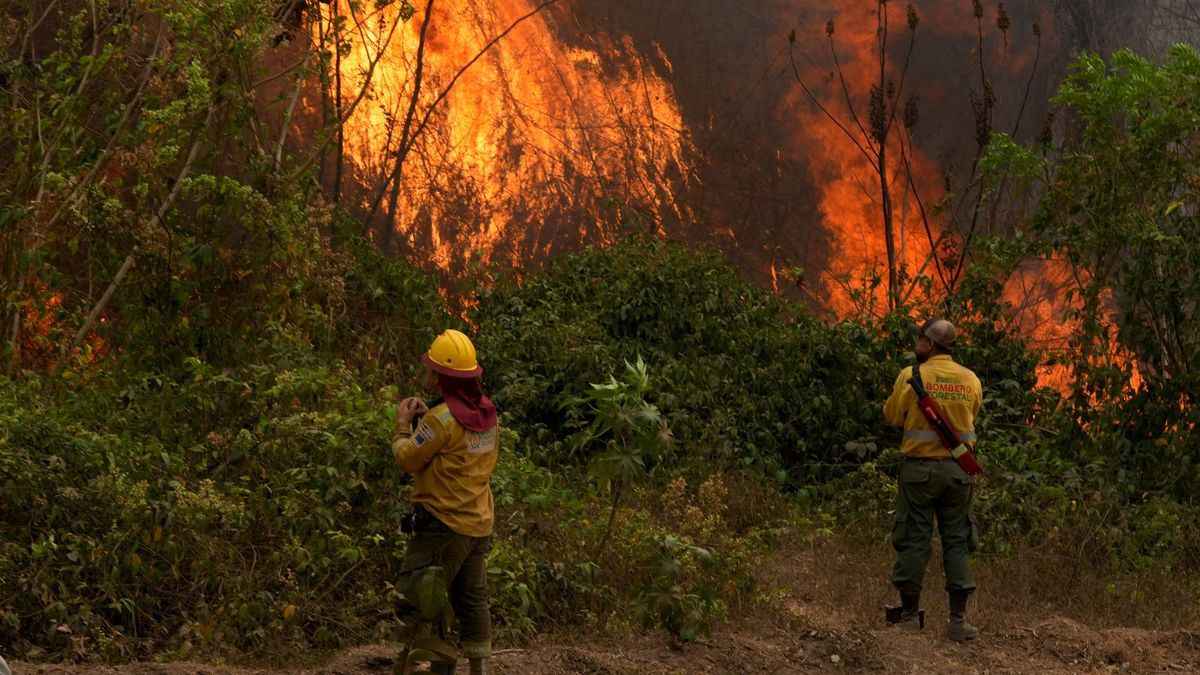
x=663 y=601
x=1109 y=205
x=749 y=379
x=128 y=531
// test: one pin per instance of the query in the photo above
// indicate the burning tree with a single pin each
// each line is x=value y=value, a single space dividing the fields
x=881 y=129
x=873 y=138
x=1117 y=206
x=154 y=137
x=468 y=151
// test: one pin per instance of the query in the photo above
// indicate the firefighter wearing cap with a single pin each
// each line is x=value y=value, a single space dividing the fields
x=932 y=485
x=450 y=446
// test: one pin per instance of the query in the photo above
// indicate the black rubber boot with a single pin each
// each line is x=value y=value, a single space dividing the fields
x=443 y=667
x=959 y=630
x=910 y=612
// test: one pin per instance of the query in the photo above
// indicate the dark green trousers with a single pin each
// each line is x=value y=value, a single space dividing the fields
x=929 y=490
x=464 y=561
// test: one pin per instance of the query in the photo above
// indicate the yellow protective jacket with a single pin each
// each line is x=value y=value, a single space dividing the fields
x=957 y=392
x=452 y=469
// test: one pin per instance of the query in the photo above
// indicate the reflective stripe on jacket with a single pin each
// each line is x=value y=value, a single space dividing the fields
x=452 y=469
x=958 y=393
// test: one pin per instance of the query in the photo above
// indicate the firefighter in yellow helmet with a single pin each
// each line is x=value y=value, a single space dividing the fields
x=450 y=446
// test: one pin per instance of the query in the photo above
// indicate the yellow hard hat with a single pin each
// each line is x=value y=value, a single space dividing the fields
x=453 y=355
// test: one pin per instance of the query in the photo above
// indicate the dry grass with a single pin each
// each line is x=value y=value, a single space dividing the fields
x=823 y=613
x=848 y=579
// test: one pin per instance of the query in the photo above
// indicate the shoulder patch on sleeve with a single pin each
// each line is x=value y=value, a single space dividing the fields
x=423 y=434
x=479 y=442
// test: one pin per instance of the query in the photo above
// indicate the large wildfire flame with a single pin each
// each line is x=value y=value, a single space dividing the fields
x=526 y=144
x=851 y=201
x=519 y=159
x=959 y=50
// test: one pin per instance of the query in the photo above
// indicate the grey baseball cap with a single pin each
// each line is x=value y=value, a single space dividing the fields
x=939 y=330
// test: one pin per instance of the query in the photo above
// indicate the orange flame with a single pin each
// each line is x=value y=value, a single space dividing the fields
x=526 y=144
x=1045 y=309
x=952 y=51
x=850 y=192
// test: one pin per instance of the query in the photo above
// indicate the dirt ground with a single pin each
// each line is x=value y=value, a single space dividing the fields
x=814 y=621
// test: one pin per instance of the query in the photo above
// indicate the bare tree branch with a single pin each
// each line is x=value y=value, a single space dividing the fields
x=416 y=133
x=1037 y=55
x=825 y=111
x=906 y=160
x=287 y=116
x=166 y=204
x=318 y=147
x=846 y=90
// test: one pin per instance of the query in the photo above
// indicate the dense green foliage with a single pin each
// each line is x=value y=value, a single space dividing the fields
x=254 y=506
x=1115 y=204
x=743 y=378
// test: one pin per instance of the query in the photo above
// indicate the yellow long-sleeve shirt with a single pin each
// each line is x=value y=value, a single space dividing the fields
x=452 y=469
x=958 y=393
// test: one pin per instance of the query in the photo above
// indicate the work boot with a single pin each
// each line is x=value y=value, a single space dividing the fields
x=910 y=612
x=479 y=667
x=443 y=667
x=959 y=630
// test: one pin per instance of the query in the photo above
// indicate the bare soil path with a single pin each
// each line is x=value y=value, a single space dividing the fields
x=1055 y=645
x=811 y=621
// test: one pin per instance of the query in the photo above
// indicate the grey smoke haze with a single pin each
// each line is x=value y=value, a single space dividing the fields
x=737 y=90
x=738 y=94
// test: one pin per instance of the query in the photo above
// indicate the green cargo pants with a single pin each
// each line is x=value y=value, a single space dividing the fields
x=930 y=488
x=464 y=561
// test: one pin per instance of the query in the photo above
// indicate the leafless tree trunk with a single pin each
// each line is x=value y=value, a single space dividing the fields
x=340 y=155
x=872 y=139
x=167 y=203
x=881 y=130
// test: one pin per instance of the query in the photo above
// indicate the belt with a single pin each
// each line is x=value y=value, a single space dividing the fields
x=421 y=520
x=930 y=459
